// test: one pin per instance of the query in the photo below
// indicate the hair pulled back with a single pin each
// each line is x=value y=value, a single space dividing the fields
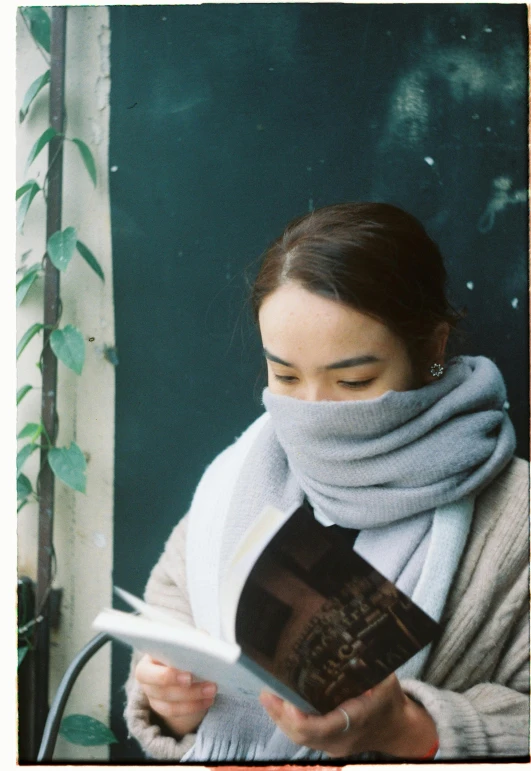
x=373 y=257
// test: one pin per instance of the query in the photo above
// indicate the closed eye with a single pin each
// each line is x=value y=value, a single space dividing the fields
x=356 y=383
x=285 y=378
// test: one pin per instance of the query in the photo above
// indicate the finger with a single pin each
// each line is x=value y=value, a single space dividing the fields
x=170 y=709
x=304 y=728
x=149 y=672
x=291 y=720
x=195 y=692
x=163 y=677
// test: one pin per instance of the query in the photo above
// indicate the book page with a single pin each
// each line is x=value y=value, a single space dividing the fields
x=189 y=649
x=249 y=549
x=321 y=619
x=148 y=611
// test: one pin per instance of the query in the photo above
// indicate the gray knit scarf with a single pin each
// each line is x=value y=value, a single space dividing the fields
x=403 y=468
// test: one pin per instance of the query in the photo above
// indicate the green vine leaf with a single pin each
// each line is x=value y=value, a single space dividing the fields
x=22 y=653
x=28 y=196
x=69 y=465
x=25 y=283
x=24 y=487
x=39 y=24
x=25 y=187
x=33 y=430
x=90 y=259
x=21 y=393
x=61 y=247
x=86 y=731
x=69 y=346
x=88 y=158
x=32 y=92
x=27 y=336
x=40 y=144
x=23 y=455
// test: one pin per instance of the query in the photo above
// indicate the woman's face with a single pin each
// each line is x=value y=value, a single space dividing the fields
x=318 y=349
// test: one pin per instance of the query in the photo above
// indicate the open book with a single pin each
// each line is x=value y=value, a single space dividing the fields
x=303 y=616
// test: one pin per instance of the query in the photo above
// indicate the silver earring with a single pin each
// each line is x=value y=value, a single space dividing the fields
x=436 y=370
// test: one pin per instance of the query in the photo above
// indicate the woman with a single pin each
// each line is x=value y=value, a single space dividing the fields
x=369 y=422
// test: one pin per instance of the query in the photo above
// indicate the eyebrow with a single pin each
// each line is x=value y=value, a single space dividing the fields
x=355 y=361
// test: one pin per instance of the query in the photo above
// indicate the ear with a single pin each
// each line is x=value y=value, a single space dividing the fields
x=437 y=349
x=440 y=339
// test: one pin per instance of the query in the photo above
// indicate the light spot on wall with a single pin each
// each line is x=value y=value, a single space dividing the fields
x=410 y=110
x=469 y=72
x=514 y=303
x=99 y=540
x=470 y=285
x=114 y=168
x=429 y=160
x=187 y=104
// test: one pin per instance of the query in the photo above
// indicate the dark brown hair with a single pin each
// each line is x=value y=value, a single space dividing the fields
x=373 y=257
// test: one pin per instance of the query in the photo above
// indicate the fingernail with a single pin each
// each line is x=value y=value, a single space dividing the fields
x=208 y=690
x=184 y=678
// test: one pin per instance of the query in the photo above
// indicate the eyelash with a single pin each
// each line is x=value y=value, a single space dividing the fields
x=357 y=383
x=290 y=379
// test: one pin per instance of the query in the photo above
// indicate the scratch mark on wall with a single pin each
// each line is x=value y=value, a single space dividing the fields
x=501 y=198
x=103 y=81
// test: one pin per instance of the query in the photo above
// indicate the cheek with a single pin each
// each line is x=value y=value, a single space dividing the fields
x=404 y=378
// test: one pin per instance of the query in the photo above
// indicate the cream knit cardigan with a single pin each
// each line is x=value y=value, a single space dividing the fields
x=476 y=682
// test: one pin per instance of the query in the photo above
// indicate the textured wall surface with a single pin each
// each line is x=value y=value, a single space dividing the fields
x=83 y=525
x=228 y=120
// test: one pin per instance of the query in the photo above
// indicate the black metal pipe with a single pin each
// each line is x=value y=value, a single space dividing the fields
x=49 y=370
x=27 y=749
x=53 y=723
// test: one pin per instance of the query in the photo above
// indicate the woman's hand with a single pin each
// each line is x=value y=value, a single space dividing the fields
x=383 y=719
x=173 y=695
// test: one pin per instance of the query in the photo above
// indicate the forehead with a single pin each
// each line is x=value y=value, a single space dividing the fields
x=295 y=322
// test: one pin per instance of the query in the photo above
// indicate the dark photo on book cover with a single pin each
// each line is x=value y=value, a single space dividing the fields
x=321 y=619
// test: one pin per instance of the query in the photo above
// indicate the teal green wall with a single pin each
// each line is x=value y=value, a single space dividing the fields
x=229 y=120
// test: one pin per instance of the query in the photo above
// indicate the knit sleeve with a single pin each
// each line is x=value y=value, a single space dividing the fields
x=491 y=718
x=166 y=588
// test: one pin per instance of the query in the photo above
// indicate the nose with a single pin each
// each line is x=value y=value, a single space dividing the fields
x=315 y=393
